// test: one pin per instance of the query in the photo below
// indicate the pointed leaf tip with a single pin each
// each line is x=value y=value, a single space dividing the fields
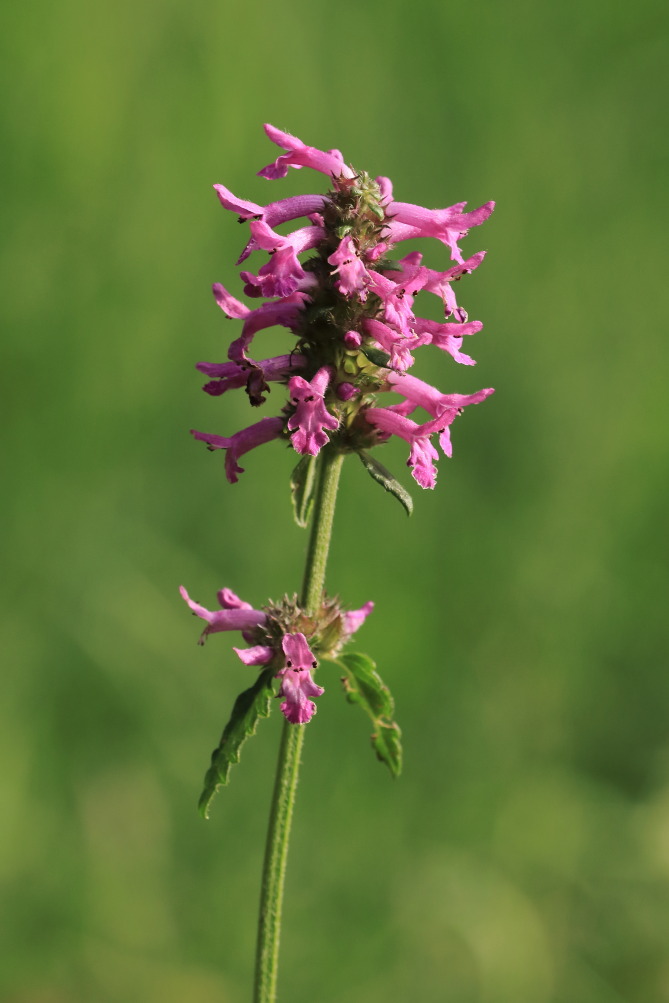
x=384 y=477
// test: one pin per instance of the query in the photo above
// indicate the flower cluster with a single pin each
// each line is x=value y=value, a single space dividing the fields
x=350 y=307
x=275 y=640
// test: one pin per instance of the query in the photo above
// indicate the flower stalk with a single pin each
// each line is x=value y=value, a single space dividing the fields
x=290 y=750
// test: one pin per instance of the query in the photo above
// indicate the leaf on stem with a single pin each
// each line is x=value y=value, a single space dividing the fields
x=364 y=686
x=250 y=705
x=302 y=485
x=383 y=477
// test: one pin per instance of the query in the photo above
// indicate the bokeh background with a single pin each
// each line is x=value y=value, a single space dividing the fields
x=521 y=615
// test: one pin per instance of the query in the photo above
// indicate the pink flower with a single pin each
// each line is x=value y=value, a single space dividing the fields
x=445 y=407
x=311 y=417
x=235 y=614
x=397 y=345
x=354 y=619
x=276 y=212
x=447 y=225
x=397 y=301
x=297 y=686
x=299 y=155
x=352 y=277
x=241 y=442
x=448 y=336
x=252 y=375
x=283 y=273
x=284 y=312
x=422 y=394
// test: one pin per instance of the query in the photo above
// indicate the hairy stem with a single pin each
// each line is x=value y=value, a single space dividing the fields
x=290 y=750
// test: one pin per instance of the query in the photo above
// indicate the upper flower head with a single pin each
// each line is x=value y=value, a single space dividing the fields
x=335 y=284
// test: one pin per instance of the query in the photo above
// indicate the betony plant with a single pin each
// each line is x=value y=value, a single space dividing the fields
x=334 y=283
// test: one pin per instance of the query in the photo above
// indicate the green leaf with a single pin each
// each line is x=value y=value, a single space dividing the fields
x=376 y=356
x=302 y=484
x=250 y=705
x=364 y=686
x=383 y=477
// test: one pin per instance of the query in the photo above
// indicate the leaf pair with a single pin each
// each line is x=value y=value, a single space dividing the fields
x=362 y=685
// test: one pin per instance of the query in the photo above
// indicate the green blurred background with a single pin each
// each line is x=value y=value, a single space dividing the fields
x=521 y=615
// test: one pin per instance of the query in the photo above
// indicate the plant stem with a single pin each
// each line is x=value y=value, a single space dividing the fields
x=285 y=784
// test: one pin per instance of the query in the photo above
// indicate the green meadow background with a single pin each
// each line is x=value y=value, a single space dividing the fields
x=521 y=614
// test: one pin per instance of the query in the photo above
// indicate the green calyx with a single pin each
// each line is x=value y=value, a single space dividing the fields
x=325 y=631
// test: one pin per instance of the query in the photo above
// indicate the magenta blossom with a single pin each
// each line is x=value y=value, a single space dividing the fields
x=297 y=686
x=445 y=407
x=240 y=443
x=353 y=276
x=235 y=614
x=299 y=155
x=311 y=417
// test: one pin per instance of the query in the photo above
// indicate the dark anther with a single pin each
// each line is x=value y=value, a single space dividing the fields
x=314 y=665
x=289 y=664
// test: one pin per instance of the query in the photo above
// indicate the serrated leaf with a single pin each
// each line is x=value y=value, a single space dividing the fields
x=376 y=356
x=249 y=707
x=383 y=477
x=364 y=686
x=302 y=484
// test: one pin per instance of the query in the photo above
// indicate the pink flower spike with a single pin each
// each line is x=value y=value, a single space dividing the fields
x=354 y=619
x=243 y=618
x=353 y=276
x=260 y=654
x=241 y=442
x=297 y=686
x=299 y=155
x=311 y=417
